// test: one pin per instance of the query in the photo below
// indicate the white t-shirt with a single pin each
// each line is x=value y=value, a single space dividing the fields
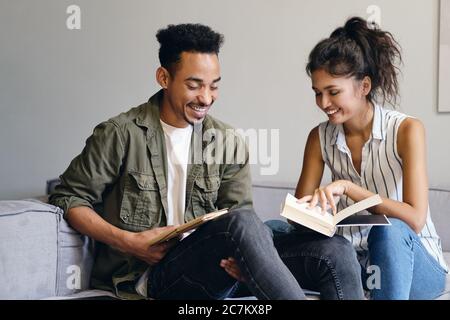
x=178 y=142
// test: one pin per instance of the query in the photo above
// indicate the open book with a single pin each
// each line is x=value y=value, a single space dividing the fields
x=188 y=226
x=325 y=222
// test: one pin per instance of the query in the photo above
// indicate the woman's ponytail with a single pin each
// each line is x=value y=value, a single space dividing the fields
x=355 y=50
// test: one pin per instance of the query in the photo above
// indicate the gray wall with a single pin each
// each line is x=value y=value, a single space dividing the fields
x=57 y=84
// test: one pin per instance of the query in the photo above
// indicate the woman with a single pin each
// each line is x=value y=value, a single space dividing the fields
x=372 y=150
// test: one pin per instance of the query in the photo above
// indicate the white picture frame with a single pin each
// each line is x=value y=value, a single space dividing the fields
x=444 y=57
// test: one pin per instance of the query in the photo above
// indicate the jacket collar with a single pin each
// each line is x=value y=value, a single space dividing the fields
x=149 y=115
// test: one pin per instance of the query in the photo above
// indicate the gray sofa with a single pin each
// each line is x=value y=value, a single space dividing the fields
x=42 y=257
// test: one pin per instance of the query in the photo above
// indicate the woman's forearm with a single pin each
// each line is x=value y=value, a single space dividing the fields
x=395 y=209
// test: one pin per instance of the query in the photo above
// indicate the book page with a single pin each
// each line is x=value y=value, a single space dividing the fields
x=193 y=224
x=357 y=207
x=309 y=222
x=316 y=212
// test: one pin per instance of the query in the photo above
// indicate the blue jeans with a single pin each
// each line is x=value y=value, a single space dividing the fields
x=319 y=263
x=191 y=269
x=407 y=270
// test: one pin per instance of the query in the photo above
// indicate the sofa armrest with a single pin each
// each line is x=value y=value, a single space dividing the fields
x=42 y=256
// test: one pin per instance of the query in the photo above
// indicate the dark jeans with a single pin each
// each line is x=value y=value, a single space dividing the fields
x=319 y=263
x=191 y=270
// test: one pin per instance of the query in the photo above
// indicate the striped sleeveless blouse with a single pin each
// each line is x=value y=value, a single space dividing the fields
x=381 y=172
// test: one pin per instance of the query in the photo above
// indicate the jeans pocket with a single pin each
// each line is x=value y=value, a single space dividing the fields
x=141 y=203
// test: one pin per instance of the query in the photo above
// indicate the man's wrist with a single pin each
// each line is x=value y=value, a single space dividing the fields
x=122 y=240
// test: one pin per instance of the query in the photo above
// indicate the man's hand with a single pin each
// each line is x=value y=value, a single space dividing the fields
x=137 y=245
x=232 y=268
x=88 y=222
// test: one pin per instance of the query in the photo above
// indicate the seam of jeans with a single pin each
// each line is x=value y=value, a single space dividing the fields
x=336 y=281
x=412 y=246
x=247 y=270
x=183 y=277
x=431 y=260
x=266 y=296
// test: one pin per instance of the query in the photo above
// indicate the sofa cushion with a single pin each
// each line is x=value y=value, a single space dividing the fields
x=440 y=213
x=267 y=199
x=41 y=256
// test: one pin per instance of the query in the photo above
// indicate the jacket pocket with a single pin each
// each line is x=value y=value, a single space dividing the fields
x=141 y=204
x=204 y=194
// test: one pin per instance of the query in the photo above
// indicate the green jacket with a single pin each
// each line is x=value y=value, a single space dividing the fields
x=122 y=174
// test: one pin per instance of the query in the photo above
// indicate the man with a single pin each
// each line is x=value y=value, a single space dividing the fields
x=146 y=170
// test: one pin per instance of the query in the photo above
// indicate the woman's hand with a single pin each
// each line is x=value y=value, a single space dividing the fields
x=231 y=267
x=325 y=195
